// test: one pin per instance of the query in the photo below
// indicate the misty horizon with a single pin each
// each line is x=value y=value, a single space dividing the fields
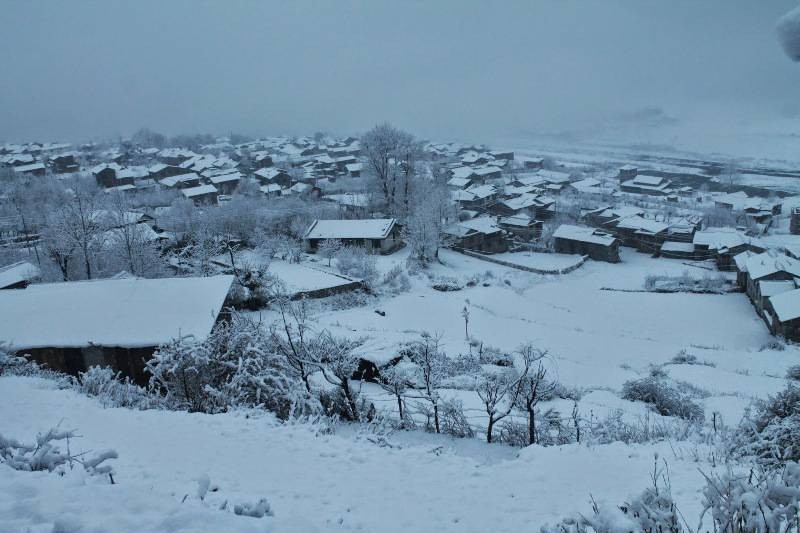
x=444 y=70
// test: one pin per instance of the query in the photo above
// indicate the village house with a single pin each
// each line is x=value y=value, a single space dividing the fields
x=181 y=181
x=783 y=314
x=105 y=175
x=522 y=227
x=159 y=171
x=273 y=190
x=226 y=183
x=33 y=169
x=650 y=185
x=627 y=172
x=482 y=234
x=64 y=163
x=598 y=245
x=201 y=194
x=354 y=169
x=644 y=234
x=376 y=235
x=273 y=175
x=482 y=197
x=768 y=266
x=502 y=154
x=69 y=326
x=531 y=163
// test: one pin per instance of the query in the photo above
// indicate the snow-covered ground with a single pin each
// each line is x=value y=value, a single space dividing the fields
x=598 y=325
x=346 y=481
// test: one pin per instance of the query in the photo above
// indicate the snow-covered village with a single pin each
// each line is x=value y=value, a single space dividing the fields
x=271 y=267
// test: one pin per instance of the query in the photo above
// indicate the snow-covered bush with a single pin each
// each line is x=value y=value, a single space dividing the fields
x=13 y=365
x=771 y=433
x=114 y=390
x=452 y=419
x=776 y=345
x=237 y=365
x=686 y=283
x=652 y=511
x=446 y=284
x=356 y=262
x=347 y=300
x=395 y=280
x=47 y=454
x=683 y=357
x=664 y=396
x=793 y=373
x=615 y=428
x=253 y=288
x=259 y=509
x=514 y=434
x=744 y=503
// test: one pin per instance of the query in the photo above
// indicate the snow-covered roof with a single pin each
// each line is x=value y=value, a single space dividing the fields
x=718 y=238
x=487 y=225
x=459 y=182
x=268 y=173
x=583 y=234
x=552 y=176
x=223 y=178
x=29 y=168
x=520 y=220
x=349 y=199
x=120 y=312
x=786 y=305
x=199 y=190
x=767 y=263
x=174 y=180
x=640 y=223
x=674 y=246
x=482 y=191
x=375 y=228
x=772 y=287
x=16 y=273
x=652 y=181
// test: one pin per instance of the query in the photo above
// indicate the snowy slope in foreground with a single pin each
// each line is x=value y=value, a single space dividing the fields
x=314 y=482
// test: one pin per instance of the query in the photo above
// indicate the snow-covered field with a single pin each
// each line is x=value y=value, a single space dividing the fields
x=598 y=326
x=346 y=481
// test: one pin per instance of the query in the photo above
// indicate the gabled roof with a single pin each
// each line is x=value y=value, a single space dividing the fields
x=127 y=313
x=639 y=223
x=172 y=181
x=786 y=305
x=768 y=263
x=376 y=228
x=191 y=192
x=583 y=234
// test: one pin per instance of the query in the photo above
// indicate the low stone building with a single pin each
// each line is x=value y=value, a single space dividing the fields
x=376 y=235
x=598 y=245
x=117 y=323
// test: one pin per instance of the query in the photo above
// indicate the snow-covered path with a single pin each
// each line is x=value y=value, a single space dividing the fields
x=328 y=482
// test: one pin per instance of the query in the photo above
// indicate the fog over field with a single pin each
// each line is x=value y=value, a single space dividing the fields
x=461 y=70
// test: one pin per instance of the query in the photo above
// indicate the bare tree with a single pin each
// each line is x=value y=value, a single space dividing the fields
x=329 y=248
x=290 y=336
x=432 y=363
x=533 y=385
x=78 y=223
x=499 y=390
x=397 y=380
x=336 y=359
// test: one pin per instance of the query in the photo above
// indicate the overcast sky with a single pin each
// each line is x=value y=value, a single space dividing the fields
x=76 y=70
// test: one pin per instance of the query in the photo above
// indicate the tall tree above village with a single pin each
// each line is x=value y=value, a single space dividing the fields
x=392 y=156
x=77 y=223
x=789 y=33
x=429 y=209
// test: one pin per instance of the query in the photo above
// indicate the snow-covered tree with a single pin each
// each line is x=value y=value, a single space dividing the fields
x=329 y=248
x=534 y=386
x=392 y=157
x=788 y=29
x=427 y=355
x=429 y=210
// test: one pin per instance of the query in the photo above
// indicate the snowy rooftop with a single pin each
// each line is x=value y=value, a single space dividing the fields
x=786 y=305
x=199 y=190
x=16 y=273
x=762 y=265
x=174 y=180
x=583 y=234
x=377 y=228
x=122 y=312
x=233 y=176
